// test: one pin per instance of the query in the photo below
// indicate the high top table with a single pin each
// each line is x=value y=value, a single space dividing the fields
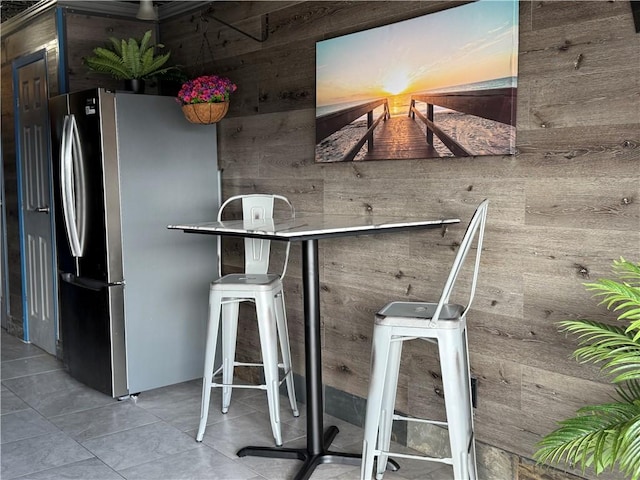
x=308 y=229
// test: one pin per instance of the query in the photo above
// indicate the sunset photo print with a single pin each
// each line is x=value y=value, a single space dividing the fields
x=438 y=85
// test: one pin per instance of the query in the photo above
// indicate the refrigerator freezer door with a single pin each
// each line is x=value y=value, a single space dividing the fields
x=87 y=334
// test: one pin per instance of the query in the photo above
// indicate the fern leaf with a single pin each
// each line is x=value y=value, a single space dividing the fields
x=145 y=41
x=106 y=54
x=117 y=45
x=133 y=52
x=146 y=62
x=106 y=61
x=158 y=62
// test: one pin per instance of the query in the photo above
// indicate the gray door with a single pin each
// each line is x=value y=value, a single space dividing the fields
x=4 y=283
x=38 y=259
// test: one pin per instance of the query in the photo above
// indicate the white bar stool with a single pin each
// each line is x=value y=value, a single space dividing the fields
x=265 y=290
x=443 y=323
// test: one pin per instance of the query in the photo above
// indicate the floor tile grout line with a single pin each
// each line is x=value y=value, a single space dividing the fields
x=32 y=374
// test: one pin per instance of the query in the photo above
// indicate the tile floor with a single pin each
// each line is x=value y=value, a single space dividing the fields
x=53 y=427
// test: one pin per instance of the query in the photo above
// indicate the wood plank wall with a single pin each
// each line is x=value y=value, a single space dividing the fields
x=561 y=209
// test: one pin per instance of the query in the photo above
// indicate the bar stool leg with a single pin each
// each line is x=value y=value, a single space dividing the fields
x=379 y=356
x=269 y=344
x=229 y=335
x=388 y=404
x=472 y=466
x=283 y=335
x=209 y=359
x=457 y=399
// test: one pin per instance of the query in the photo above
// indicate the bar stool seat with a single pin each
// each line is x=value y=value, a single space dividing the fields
x=265 y=290
x=443 y=323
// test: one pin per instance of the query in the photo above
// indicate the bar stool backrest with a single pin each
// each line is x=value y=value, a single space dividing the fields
x=474 y=229
x=257 y=212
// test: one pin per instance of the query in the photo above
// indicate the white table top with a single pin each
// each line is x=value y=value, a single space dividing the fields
x=314 y=226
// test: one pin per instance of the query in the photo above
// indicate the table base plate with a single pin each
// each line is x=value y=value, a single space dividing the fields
x=311 y=461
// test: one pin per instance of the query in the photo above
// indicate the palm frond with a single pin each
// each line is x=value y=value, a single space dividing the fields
x=617 y=295
x=598 y=436
x=629 y=459
x=627 y=270
x=610 y=344
x=629 y=391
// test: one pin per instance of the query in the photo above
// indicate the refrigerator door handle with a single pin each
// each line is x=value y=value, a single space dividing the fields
x=65 y=186
x=91 y=284
x=80 y=185
x=73 y=186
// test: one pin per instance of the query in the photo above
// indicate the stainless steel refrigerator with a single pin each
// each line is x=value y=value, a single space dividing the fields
x=132 y=295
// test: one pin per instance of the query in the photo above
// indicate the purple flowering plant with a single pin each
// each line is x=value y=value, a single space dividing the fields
x=206 y=89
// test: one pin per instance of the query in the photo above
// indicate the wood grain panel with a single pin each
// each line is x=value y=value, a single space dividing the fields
x=577 y=48
x=508 y=427
x=199 y=40
x=545 y=14
x=320 y=20
x=596 y=99
x=422 y=196
x=593 y=203
x=580 y=151
x=498 y=381
x=287 y=79
x=305 y=195
x=23 y=41
x=553 y=395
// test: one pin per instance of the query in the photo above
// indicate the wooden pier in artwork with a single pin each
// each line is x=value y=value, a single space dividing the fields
x=402 y=137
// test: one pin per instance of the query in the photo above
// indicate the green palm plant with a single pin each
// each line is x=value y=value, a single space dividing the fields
x=608 y=435
x=130 y=59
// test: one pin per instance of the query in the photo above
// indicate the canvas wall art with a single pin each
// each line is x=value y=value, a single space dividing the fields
x=439 y=85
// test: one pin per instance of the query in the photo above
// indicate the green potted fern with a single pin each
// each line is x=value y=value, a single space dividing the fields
x=131 y=60
x=606 y=436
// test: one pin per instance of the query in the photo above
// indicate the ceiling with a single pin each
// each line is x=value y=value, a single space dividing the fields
x=10 y=9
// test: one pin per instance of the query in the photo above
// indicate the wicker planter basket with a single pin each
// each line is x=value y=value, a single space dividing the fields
x=205 y=113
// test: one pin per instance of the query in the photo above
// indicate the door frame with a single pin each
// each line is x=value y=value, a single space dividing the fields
x=16 y=65
x=4 y=314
